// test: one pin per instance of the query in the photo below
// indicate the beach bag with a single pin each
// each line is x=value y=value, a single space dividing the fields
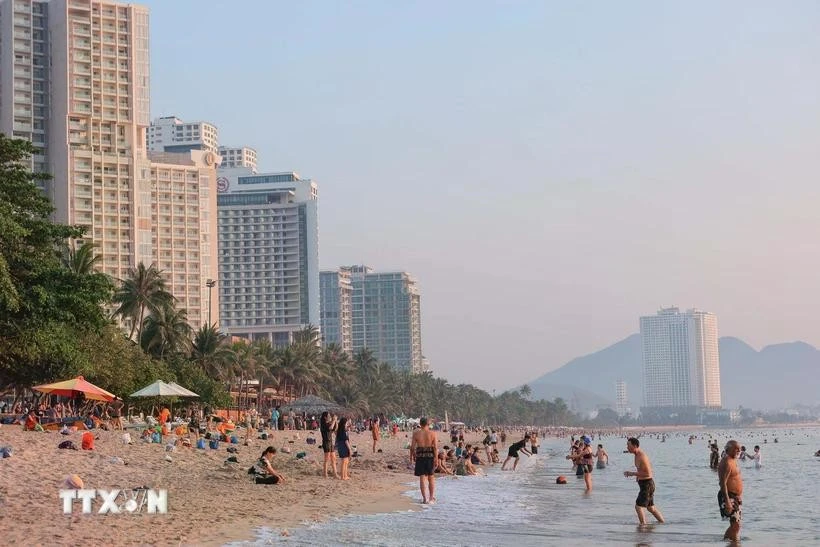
x=214 y=444
x=6 y=452
x=234 y=439
x=200 y=443
x=156 y=438
x=68 y=445
x=126 y=438
x=88 y=441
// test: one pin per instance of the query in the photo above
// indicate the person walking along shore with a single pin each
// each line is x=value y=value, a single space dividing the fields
x=423 y=451
x=646 y=484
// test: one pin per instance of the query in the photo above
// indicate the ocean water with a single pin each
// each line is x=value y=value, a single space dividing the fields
x=527 y=507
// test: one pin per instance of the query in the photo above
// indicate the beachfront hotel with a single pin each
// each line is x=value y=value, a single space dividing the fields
x=74 y=80
x=681 y=365
x=385 y=314
x=268 y=254
x=170 y=134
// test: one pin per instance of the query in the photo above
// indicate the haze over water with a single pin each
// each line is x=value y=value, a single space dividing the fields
x=528 y=508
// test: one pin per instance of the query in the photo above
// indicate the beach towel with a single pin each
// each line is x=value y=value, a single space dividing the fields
x=68 y=445
x=88 y=441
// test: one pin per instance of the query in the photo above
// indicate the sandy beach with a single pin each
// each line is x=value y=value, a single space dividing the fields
x=210 y=502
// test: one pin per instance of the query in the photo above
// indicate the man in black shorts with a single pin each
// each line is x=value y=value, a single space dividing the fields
x=646 y=485
x=423 y=450
x=513 y=451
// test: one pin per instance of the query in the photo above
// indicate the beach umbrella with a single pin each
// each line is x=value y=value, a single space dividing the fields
x=311 y=404
x=161 y=389
x=183 y=391
x=74 y=387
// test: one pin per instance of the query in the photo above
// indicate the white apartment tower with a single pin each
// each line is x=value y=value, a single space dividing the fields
x=621 y=400
x=75 y=80
x=268 y=254
x=681 y=365
x=243 y=156
x=170 y=134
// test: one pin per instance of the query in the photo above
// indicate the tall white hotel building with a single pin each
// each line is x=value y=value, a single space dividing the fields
x=269 y=254
x=74 y=80
x=681 y=365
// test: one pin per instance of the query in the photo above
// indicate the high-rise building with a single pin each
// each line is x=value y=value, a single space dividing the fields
x=268 y=254
x=184 y=229
x=75 y=80
x=681 y=365
x=24 y=81
x=336 y=309
x=243 y=156
x=385 y=318
x=621 y=401
x=170 y=134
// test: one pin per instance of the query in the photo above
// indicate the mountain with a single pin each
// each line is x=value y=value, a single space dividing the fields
x=777 y=376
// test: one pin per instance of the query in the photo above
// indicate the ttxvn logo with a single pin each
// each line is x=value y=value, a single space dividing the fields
x=116 y=501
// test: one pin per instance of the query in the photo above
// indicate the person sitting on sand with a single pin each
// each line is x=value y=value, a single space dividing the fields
x=31 y=422
x=475 y=459
x=441 y=463
x=263 y=471
x=496 y=458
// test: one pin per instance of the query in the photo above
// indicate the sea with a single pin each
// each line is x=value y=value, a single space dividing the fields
x=527 y=507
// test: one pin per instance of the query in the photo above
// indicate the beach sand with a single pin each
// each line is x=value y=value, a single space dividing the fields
x=209 y=502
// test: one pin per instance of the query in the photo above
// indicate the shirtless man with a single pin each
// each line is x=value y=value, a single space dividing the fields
x=423 y=450
x=646 y=495
x=731 y=490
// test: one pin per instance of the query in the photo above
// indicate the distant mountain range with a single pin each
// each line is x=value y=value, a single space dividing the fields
x=777 y=376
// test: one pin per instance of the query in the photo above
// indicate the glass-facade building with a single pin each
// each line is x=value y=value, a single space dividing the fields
x=385 y=315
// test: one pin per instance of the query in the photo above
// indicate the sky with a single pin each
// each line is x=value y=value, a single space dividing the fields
x=547 y=171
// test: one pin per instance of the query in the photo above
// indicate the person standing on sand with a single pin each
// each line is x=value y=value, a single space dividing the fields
x=423 y=449
x=731 y=490
x=343 y=446
x=328 y=427
x=374 y=429
x=646 y=495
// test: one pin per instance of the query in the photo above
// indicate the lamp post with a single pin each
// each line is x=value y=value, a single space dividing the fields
x=210 y=284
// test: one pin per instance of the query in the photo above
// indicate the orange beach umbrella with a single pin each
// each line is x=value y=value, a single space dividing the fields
x=75 y=386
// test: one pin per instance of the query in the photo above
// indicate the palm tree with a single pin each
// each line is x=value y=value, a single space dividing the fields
x=525 y=391
x=166 y=330
x=83 y=260
x=210 y=350
x=143 y=289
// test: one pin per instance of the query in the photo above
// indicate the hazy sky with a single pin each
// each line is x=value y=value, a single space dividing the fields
x=548 y=171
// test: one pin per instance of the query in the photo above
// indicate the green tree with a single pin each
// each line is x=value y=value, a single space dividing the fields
x=44 y=305
x=143 y=289
x=165 y=331
x=211 y=351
